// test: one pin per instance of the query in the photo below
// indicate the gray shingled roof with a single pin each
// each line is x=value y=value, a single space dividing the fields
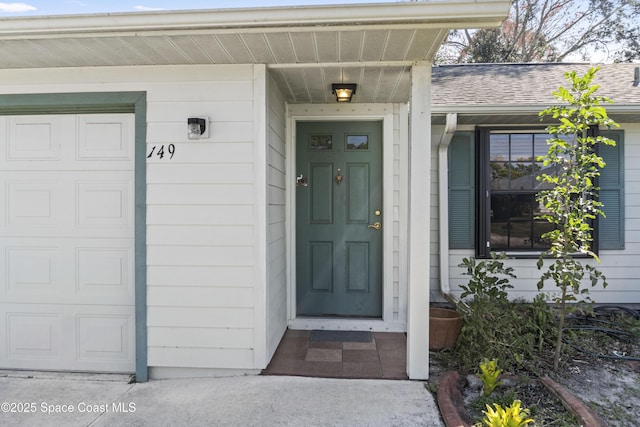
x=525 y=84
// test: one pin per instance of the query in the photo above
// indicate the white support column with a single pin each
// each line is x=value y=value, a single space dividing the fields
x=260 y=314
x=419 y=222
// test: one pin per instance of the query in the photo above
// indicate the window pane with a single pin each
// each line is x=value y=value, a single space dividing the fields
x=522 y=176
x=539 y=228
x=499 y=147
x=521 y=147
x=512 y=222
x=320 y=142
x=549 y=170
x=499 y=176
x=521 y=221
x=357 y=142
x=499 y=222
x=540 y=147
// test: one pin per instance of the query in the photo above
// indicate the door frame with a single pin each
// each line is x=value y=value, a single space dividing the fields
x=355 y=112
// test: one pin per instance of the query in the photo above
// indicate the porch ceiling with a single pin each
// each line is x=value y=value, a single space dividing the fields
x=306 y=48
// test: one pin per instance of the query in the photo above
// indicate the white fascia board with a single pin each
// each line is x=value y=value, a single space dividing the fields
x=445 y=14
x=516 y=109
x=488 y=109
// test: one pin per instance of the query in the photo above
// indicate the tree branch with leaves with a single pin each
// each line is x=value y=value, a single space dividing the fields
x=571 y=204
x=551 y=31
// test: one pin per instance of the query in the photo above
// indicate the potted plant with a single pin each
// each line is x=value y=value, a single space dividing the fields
x=444 y=327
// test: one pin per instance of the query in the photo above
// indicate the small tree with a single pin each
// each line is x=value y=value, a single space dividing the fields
x=571 y=204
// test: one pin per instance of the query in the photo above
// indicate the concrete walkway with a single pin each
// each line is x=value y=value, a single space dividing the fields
x=104 y=400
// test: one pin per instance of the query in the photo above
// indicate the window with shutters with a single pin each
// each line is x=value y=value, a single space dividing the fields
x=509 y=182
x=493 y=186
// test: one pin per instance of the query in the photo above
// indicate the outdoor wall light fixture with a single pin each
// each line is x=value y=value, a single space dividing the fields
x=197 y=127
x=343 y=91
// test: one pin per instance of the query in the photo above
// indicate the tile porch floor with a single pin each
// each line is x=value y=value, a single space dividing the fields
x=385 y=357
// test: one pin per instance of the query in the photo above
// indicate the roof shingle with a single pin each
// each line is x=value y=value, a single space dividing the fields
x=528 y=84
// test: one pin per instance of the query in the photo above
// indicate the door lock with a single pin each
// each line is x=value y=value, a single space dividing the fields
x=376 y=225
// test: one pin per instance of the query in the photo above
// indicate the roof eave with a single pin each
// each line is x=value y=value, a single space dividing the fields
x=453 y=14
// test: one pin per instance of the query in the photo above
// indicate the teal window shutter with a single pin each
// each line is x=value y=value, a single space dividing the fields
x=611 y=228
x=461 y=191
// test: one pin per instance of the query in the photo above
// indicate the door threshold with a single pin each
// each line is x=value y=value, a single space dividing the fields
x=346 y=324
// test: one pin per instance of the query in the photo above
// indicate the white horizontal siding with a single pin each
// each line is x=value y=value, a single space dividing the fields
x=228 y=111
x=208 y=194
x=200 y=235
x=202 y=202
x=209 y=275
x=220 y=152
x=201 y=207
x=216 y=172
x=164 y=132
x=221 y=338
x=399 y=292
x=200 y=296
x=619 y=266
x=276 y=207
x=193 y=357
x=200 y=317
x=200 y=215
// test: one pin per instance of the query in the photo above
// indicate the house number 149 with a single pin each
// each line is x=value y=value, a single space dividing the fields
x=171 y=149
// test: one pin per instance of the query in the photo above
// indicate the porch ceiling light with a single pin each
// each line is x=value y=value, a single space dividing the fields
x=197 y=127
x=343 y=91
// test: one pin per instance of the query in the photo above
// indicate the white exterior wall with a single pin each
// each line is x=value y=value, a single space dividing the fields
x=400 y=212
x=621 y=267
x=206 y=286
x=276 y=216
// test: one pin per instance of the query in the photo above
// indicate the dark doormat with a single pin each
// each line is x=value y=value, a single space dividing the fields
x=345 y=336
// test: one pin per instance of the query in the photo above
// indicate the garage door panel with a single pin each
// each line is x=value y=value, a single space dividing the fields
x=41 y=138
x=67 y=243
x=74 y=271
x=33 y=336
x=105 y=137
x=34 y=270
x=67 y=204
x=34 y=202
x=105 y=204
x=104 y=338
x=66 y=337
x=106 y=274
x=68 y=142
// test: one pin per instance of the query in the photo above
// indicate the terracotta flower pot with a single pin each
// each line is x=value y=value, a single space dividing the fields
x=444 y=328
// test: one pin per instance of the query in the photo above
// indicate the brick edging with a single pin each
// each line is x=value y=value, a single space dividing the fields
x=449 y=397
x=450 y=400
x=585 y=415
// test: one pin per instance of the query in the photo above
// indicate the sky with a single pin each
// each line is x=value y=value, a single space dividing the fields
x=63 y=7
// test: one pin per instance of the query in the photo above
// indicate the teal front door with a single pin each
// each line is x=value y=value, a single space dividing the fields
x=339 y=219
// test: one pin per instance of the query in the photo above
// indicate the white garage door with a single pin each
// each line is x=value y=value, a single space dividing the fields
x=67 y=242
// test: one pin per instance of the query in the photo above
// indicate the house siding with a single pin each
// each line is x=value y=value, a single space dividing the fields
x=400 y=212
x=276 y=211
x=619 y=266
x=204 y=278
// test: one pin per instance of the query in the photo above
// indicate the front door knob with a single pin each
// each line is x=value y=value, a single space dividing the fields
x=376 y=225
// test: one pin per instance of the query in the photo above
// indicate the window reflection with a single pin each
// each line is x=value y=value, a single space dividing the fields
x=513 y=169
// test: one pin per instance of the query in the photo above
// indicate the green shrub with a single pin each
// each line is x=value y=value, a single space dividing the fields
x=490 y=375
x=513 y=416
x=495 y=327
